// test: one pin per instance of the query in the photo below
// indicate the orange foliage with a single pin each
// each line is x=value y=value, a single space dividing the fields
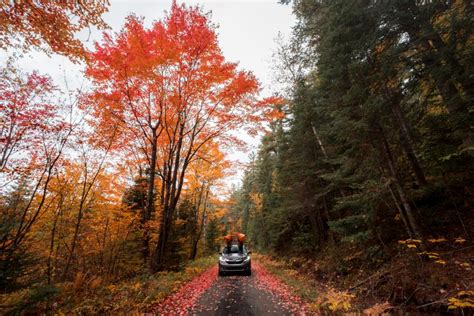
x=49 y=25
x=173 y=73
x=168 y=95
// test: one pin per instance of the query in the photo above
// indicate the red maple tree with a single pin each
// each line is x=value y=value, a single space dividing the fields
x=170 y=91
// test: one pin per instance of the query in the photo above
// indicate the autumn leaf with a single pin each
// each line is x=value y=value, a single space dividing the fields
x=437 y=240
x=49 y=25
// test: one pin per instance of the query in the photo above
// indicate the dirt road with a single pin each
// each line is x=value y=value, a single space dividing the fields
x=238 y=295
x=259 y=294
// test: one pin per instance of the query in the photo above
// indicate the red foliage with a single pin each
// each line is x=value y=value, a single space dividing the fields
x=170 y=74
x=179 y=302
x=26 y=116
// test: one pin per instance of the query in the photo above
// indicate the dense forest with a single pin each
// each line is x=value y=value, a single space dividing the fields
x=376 y=147
x=366 y=161
x=377 y=139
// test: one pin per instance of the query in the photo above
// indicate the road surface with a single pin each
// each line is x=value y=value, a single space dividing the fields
x=207 y=294
x=238 y=295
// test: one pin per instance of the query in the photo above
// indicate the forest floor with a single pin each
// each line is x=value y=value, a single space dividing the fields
x=300 y=286
x=408 y=283
x=92 y=295
x=337 y=282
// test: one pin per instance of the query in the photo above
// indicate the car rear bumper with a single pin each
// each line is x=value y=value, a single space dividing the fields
x=233 y=267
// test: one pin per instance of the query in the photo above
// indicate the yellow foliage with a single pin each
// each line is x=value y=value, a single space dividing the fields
x=137 y=286
x=257 y=200
x=466 y=266
x=410 y=243
x=431 y=255
x=336 y=301
x=464 y=299
x=460 y=240
x=437 y=240
x=192 y=270
x=436 y=110
x=291 y=272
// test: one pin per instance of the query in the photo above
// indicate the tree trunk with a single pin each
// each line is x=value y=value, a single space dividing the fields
x=330 y=233
x=407 y=142
x=400 y=211
x=53 y=236
x=176 y=168
x=194 y=233
x=76 y=229
x=412 y=224
x=201 y=226
x=314 y=225
x=318 y=139
x=150 y=199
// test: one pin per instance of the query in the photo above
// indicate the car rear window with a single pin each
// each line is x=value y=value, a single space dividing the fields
x=233 y=249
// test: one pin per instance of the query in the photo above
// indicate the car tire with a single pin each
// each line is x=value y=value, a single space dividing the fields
x=221 y=273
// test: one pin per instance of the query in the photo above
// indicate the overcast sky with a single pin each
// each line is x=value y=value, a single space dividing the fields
x=247 y=31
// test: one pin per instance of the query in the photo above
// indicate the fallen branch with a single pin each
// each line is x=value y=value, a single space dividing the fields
x=377 y=274
x=432 y=303
x=456 y=250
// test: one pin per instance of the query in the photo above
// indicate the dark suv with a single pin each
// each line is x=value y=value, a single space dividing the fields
x=234 y=258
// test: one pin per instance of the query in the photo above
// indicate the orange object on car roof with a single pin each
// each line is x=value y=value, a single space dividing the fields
x=235 y=237
x=240 y=238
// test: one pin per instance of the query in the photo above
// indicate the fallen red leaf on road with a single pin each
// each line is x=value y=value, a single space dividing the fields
x=180 y=301
x=185 y=299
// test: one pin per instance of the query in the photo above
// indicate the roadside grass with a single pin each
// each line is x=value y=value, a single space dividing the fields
x=89 y=295
x=300 y=284
x=319 y=298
